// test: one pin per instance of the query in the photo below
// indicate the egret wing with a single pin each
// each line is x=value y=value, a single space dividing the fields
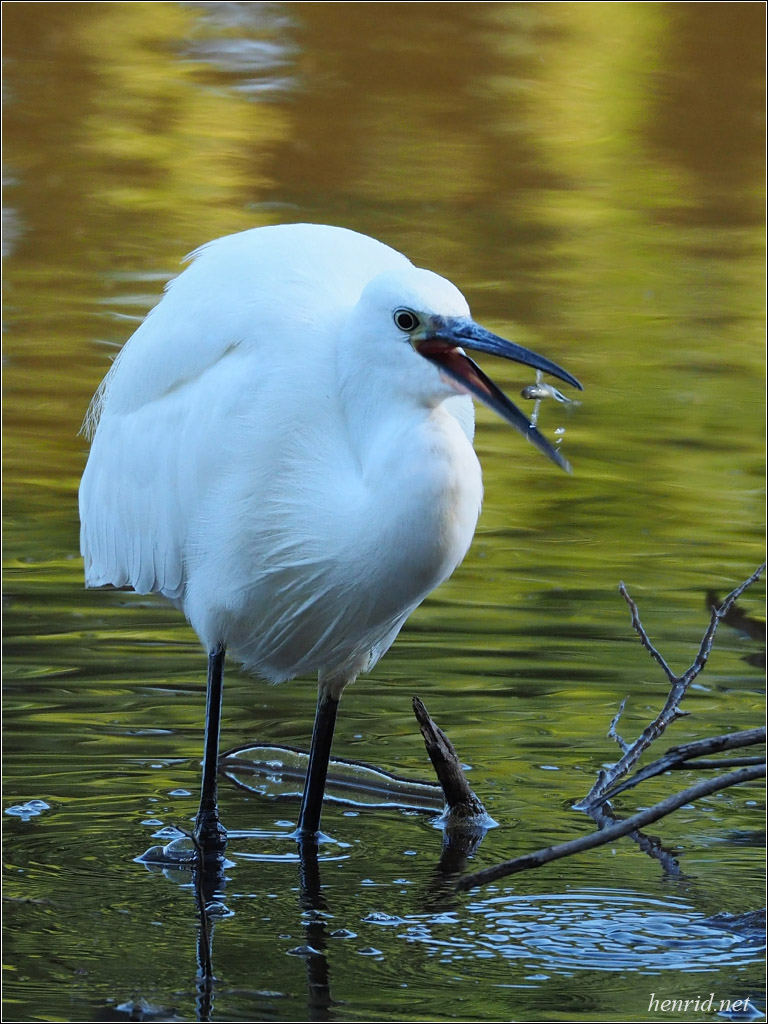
x=250 y=308
x=148 y=474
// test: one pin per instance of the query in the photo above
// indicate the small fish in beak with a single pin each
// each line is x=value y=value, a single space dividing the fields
x=443 y=341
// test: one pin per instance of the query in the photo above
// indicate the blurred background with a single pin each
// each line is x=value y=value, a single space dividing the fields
x=591 y=176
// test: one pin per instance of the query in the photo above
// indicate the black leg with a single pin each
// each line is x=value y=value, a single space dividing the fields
x=209 y=831
x=319 y=755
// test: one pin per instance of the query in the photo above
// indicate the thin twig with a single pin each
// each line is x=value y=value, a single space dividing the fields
x=681 y=757
x=738 y=619
x=613 y=734
x=671 y=710
x=637 y=821
x=644 y=638
x=717 y=615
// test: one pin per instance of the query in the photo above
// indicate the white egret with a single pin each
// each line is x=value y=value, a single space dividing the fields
x=283 y=449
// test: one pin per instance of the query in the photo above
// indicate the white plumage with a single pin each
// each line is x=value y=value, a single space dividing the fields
x=280 y=449
x=249 y=463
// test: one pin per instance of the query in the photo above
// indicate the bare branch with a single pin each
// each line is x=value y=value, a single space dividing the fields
x=608 y=835
x=700 y=764
x=738 y=619
x=718 y=614
x=671 y=710
x=680 y=757
x=683 y=756
x=644 y=638
x=460 y=800
x=613 y=734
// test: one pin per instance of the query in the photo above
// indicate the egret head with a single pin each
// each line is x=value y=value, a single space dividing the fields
x=418 y=325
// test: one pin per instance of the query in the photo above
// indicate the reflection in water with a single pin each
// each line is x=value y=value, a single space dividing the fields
x=209 y=880
x=590 y=930
x=604 y=817
x=314 y=911
x=209 y=883
x=593 y=175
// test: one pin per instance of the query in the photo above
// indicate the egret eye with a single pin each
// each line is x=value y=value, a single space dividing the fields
x=406 y=320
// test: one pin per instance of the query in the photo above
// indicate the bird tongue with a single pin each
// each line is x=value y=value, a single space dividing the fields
x=465 y=376
x=462 y=373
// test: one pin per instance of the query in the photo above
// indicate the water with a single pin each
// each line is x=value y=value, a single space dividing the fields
x=591 y=177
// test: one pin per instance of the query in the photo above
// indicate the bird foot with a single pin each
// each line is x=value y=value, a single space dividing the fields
x=210 y=836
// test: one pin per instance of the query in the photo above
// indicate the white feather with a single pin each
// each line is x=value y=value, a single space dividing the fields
x=264 y=458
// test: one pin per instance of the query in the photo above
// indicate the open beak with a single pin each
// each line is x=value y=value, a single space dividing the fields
x=442 y=344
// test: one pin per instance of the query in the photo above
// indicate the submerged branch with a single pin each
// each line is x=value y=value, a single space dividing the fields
x=464 y=821
x=607 y=835
x=607 y=785
x=461 y=803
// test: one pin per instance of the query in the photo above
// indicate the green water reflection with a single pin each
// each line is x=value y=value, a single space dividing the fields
x=591 y=176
